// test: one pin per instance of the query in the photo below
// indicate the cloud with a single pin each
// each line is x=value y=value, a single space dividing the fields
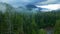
x=2 y=8
x=49 y=2
x=21 y=2
x=7 y=1
x=51 y=6
x=16 y=2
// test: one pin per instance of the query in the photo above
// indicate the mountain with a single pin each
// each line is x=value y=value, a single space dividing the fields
x=23 y=9
x=2 y=7
x=6 y=7
x=29 y=8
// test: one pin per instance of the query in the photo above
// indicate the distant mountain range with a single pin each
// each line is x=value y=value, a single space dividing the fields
x=27 y=8
x=6 y=7
x=2 y=7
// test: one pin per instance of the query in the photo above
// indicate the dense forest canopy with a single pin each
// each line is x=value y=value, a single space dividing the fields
x=14 y=22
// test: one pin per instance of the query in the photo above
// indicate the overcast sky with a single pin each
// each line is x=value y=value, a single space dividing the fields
x=24 y=2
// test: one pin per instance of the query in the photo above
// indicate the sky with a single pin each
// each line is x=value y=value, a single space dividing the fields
x=24 y=2
x=42 y=3
x=21 y=2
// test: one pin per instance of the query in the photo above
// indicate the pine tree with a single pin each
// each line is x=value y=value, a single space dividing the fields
x=57 y=27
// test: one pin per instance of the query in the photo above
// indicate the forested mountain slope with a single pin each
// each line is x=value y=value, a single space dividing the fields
x=13 y=22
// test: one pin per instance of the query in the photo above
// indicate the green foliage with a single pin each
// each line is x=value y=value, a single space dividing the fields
x=42 y=31
x=15 y=22
x=26 y=23
x=57 y=27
